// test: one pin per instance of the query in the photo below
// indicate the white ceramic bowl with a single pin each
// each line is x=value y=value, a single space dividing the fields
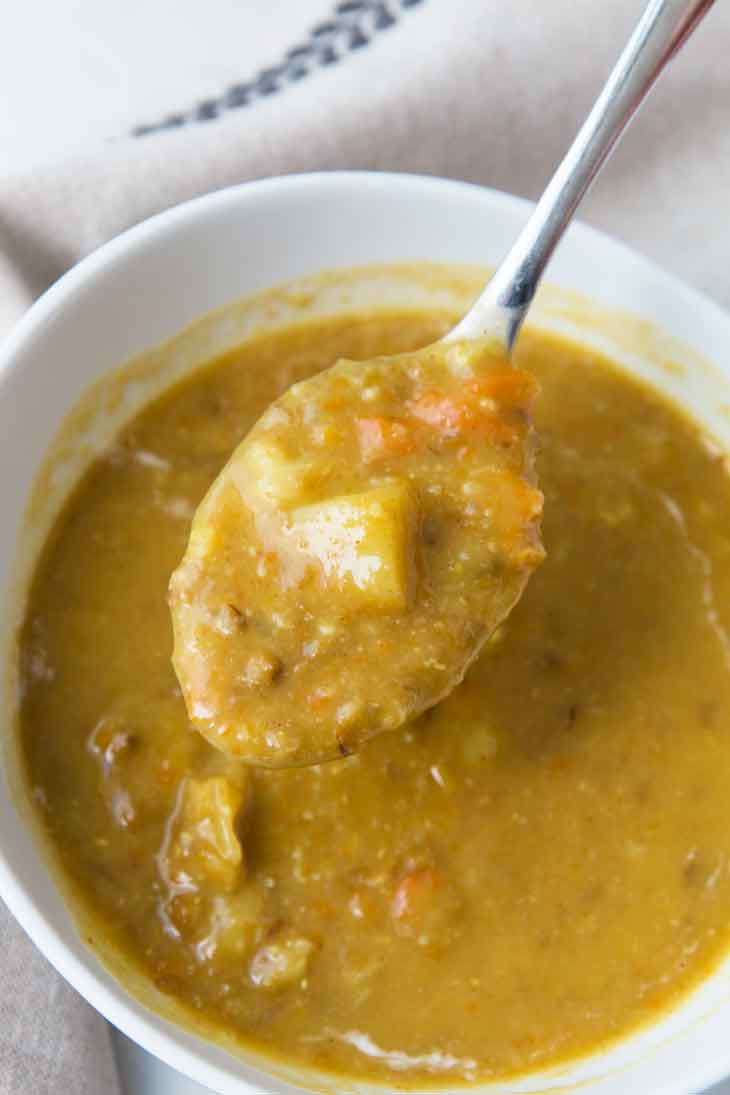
x=143 y=287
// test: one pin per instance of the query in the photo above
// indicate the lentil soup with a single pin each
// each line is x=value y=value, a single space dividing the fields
x=532 y=869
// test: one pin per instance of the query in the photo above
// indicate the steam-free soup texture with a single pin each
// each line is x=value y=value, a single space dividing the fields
x=533 y=868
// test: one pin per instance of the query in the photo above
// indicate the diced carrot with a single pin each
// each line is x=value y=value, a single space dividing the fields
x=415 y=890
x=511 y=389
x=445 y=413
x=457 y=413
x=319 y=697
x=426 y=907
x=381 y=437
x=453 y=416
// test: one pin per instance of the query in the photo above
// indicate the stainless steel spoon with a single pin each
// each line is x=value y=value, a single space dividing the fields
x=279 y=726
x=661 y=32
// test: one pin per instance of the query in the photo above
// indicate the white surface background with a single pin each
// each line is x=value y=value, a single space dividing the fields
x=100 y=67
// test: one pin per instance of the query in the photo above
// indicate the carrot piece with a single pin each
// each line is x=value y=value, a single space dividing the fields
x=415 y=890
x=452 y=417
x=380 y=437
x=426 y=907
x=319 y=697
x=454 y=414
x=514 y=389
x=444 y=413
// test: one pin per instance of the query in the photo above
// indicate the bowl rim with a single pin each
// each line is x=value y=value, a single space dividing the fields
x=159 y=1036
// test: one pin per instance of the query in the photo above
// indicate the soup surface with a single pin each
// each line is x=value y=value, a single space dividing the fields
x=537 y=865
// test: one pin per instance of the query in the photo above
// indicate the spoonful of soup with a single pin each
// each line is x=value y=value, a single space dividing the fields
x=381 y=519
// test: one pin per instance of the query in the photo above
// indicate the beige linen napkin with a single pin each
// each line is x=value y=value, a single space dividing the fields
x=474 y=89
x=50 y=1041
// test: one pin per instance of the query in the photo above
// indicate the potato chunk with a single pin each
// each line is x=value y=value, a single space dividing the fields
x=364 y=544
x=263 y=466
x=202 y=850
x=281 y=962
x=236 y=925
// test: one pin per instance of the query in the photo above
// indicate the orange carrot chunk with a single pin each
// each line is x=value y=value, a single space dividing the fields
x=382 y=437
x=513 y=389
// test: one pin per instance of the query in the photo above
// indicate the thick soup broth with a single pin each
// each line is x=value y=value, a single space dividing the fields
x=533 y=868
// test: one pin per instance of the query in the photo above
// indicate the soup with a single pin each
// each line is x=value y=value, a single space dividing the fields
x=535 y=867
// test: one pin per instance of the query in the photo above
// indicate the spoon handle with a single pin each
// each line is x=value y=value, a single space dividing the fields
x=663 y=28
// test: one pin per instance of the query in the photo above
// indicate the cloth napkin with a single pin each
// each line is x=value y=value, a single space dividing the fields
x=111 y=112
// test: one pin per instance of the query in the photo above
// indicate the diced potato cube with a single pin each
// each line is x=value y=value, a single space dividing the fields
x=281 y=962
x=202 y=850
x=236 y=924
x=365 y=544
x=262 y=467
x=203 y=541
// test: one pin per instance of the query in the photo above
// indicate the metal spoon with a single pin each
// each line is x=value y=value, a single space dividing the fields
x=661 y=32
x=311 y=688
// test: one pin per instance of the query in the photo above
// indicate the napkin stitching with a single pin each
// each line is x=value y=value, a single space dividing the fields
x=353 y=25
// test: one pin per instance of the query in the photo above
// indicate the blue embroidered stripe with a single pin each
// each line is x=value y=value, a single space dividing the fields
x=352 y=26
